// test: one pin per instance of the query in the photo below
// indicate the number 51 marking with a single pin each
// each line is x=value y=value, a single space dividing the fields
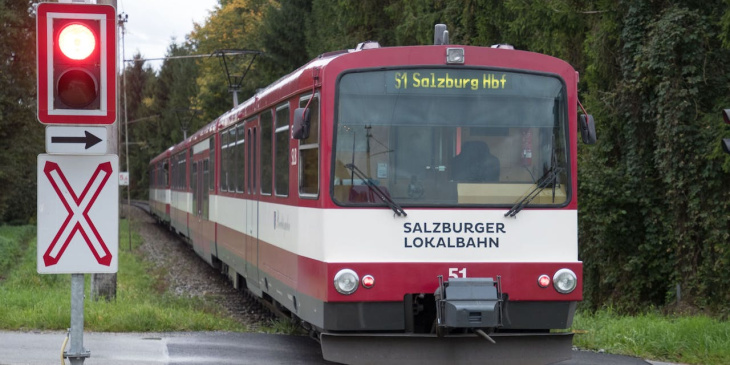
x=455 y=272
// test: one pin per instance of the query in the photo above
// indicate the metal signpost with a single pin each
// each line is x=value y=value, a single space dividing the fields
x=78 y=195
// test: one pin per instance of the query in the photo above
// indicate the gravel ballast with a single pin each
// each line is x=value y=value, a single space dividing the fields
x=187 y=275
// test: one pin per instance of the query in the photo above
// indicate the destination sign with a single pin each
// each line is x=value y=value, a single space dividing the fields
x=447 y=81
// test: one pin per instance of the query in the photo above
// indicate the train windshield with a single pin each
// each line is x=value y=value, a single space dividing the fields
x=450 y=137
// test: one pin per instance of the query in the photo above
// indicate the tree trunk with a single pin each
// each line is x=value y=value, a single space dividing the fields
x=103 y=286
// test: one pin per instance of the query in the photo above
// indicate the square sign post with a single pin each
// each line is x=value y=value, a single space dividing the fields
x=78 y=214
x=78 y=195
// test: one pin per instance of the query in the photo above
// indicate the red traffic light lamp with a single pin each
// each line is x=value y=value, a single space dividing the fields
x=76 y=57
x=76 y=41
x=76 y=86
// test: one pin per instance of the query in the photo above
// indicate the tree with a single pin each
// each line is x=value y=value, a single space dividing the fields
x=233 y=25
x=21 y=136
x=655 y=202
x=138 y=77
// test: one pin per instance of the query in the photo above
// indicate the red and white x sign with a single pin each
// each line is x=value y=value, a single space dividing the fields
x=78 y=219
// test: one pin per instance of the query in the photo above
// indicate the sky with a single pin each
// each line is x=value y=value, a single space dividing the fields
x=152 y=24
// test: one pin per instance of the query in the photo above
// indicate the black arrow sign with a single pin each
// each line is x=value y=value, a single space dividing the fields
x=89 y=139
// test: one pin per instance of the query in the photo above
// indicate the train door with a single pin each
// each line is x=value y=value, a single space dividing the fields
x=203 y=230
x=252 y=210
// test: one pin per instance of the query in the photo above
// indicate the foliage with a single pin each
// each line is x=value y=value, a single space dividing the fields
x=138 y=78
x=21 y=136
x=653 y=193
x=12 y=245
x=233 y=25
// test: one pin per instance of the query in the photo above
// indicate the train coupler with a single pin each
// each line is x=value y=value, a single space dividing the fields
x=468 y=303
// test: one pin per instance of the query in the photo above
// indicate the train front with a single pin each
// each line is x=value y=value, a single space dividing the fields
x=453 y=233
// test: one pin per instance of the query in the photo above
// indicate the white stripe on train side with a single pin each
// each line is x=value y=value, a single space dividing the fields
x=182 y=200
x=375 y=235
x=161 y=195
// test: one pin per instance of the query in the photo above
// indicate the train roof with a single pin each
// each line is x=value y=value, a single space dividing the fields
x=162 y=156
x=180 y=146
x=294 y=82
x=427 y=55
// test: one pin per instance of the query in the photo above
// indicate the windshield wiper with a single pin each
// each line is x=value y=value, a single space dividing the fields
x=550 y=177
x=375 y=189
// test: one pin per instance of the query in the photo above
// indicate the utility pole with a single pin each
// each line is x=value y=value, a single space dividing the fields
x=122 y=21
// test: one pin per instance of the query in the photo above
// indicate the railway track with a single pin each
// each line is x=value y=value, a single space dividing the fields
x=188 y=276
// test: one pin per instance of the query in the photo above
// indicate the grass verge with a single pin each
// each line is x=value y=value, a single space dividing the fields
x=686 y=339
x=13 y=242
x=31 y=301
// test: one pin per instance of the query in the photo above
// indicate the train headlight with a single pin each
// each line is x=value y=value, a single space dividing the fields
x=565 y=281
x=346 y=281
x=455 y=56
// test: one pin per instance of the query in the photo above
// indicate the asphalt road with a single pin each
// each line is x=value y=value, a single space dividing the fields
x=44 y=348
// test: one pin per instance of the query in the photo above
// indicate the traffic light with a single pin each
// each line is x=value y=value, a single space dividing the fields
x=76 y=59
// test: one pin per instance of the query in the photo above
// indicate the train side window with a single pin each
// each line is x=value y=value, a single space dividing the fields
x=240 y=152
x=266 y=158
x=250 y=162
x=206 y=178
x=224 y=162
x=166 y=175
x=212 y=161
x=281 y=154
x=254 y=160
x=176 y=161
x=309 y=151
x=231 y=159
x=228 y=160
x=194 y=186
x=173 y=172
x=179 y=173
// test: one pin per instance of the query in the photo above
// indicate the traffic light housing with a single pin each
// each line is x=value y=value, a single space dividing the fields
x=76 y=59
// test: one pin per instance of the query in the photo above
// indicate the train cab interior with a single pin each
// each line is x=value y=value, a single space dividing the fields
x=446 y=165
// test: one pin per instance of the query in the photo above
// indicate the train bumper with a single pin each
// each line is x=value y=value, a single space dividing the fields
x=508 y=349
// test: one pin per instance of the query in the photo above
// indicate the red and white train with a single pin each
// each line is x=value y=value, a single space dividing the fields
x=404 y=203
